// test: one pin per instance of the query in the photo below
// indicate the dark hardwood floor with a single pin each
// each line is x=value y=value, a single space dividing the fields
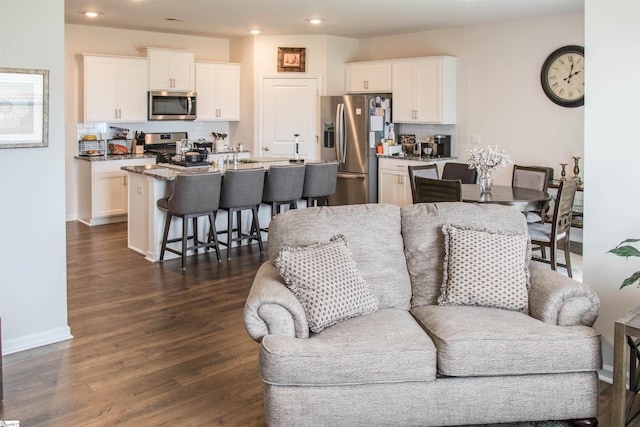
x=154 y=345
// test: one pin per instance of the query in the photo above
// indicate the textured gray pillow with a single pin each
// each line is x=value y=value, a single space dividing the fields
x=485 y=268
x=326 y=281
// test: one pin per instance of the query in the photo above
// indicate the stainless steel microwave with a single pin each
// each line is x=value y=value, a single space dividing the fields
x=165 y=105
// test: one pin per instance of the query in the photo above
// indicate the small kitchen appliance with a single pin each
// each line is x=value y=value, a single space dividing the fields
x=442 y=145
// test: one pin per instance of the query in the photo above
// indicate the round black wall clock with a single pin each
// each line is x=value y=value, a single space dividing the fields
x=562 y=76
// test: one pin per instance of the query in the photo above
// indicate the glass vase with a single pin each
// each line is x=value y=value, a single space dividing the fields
x=485 y=181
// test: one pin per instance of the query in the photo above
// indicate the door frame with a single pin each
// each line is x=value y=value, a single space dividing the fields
x=259 y=137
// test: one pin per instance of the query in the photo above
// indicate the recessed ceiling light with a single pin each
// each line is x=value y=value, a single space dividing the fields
x=90 y=14
x=255 y=32
x=173 y=19
x=315 y=21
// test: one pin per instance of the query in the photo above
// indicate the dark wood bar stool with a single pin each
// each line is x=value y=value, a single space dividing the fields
x=242 y=190
x=193 y=196
x=319 y=182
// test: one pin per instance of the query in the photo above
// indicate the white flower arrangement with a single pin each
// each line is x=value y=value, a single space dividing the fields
x=486 y=159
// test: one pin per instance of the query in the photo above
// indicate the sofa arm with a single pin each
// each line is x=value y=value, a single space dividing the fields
x=557 y=299
x=271 y=308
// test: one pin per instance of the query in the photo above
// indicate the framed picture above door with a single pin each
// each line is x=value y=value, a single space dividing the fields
x=292 y=59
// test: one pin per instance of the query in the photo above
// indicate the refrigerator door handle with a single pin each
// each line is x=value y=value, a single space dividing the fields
x=350 y=176
x=341 y=146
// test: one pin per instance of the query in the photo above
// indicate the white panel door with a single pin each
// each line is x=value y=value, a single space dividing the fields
x=289 y=107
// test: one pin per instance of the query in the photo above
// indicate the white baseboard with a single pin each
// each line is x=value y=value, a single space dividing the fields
x=36 y=340
x=606 y=374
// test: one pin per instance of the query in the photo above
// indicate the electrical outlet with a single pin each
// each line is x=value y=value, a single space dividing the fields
x=476 y=139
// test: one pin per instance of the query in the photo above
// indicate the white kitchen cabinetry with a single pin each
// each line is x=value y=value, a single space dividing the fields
x=370 y=76
x=393 y=180
x=102 y=190
x=171 y=70
x=114 y=89
x=424 y=90
x=218 y=88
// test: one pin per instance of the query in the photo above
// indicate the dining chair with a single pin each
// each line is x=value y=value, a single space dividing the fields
x=429 y=190
x=550 y=235
x=425 y=171
x=193 y=196
x=461 y=171
x=535 y=178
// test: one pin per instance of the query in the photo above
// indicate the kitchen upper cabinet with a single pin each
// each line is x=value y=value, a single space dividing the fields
x=218 y=88
x=171 y=70
x=424 y=90
x=114 y=89
x=370 y=76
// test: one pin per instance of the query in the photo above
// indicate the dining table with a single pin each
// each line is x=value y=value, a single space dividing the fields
x=523 y=199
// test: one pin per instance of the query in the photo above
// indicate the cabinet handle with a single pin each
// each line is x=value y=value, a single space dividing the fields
x=115 y=113
x=119 y=113
x=124 y=179
x=366 y=84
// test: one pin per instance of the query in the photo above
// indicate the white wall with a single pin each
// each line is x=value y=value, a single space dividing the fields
x=499 y=91
x=325 y=58
x=110 y=41
x=33 y=280
x=612 y=111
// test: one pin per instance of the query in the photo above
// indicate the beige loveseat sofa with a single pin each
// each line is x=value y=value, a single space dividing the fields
x=411 y=360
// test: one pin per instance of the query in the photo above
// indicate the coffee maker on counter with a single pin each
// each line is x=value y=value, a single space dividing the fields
x=442 y=145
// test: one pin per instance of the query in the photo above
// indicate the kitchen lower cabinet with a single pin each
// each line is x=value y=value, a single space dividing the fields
x=393 y=180
x=102 y=190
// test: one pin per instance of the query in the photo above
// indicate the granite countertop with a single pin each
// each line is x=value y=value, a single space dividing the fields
x=116 y=157
x=418 y=158
x=169 y=172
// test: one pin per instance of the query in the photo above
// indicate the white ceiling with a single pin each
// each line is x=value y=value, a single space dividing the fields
x=347 y=18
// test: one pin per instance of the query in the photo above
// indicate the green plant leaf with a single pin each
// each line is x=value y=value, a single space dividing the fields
x=629 y=241
x=631 y=280
x=625 y=251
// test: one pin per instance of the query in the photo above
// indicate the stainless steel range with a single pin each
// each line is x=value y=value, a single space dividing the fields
x=164 y=145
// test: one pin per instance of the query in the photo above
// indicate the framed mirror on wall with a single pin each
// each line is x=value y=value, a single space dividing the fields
x=24 y=108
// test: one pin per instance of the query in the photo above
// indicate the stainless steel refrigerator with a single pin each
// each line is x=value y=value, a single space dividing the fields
x=352 y=126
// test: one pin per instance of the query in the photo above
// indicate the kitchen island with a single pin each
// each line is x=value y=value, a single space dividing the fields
x=148 y=183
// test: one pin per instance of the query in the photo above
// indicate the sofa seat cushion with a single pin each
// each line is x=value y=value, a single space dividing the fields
x=481 y=341
x=382 y=347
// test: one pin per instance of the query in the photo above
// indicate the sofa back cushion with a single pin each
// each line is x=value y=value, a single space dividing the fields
x=373 y=234
x=424 y=240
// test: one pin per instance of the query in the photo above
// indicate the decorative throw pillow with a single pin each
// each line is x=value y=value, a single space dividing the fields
x=485 y=268
x=326 y=281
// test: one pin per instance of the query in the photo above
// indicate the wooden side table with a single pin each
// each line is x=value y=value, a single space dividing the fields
x=625 y=362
